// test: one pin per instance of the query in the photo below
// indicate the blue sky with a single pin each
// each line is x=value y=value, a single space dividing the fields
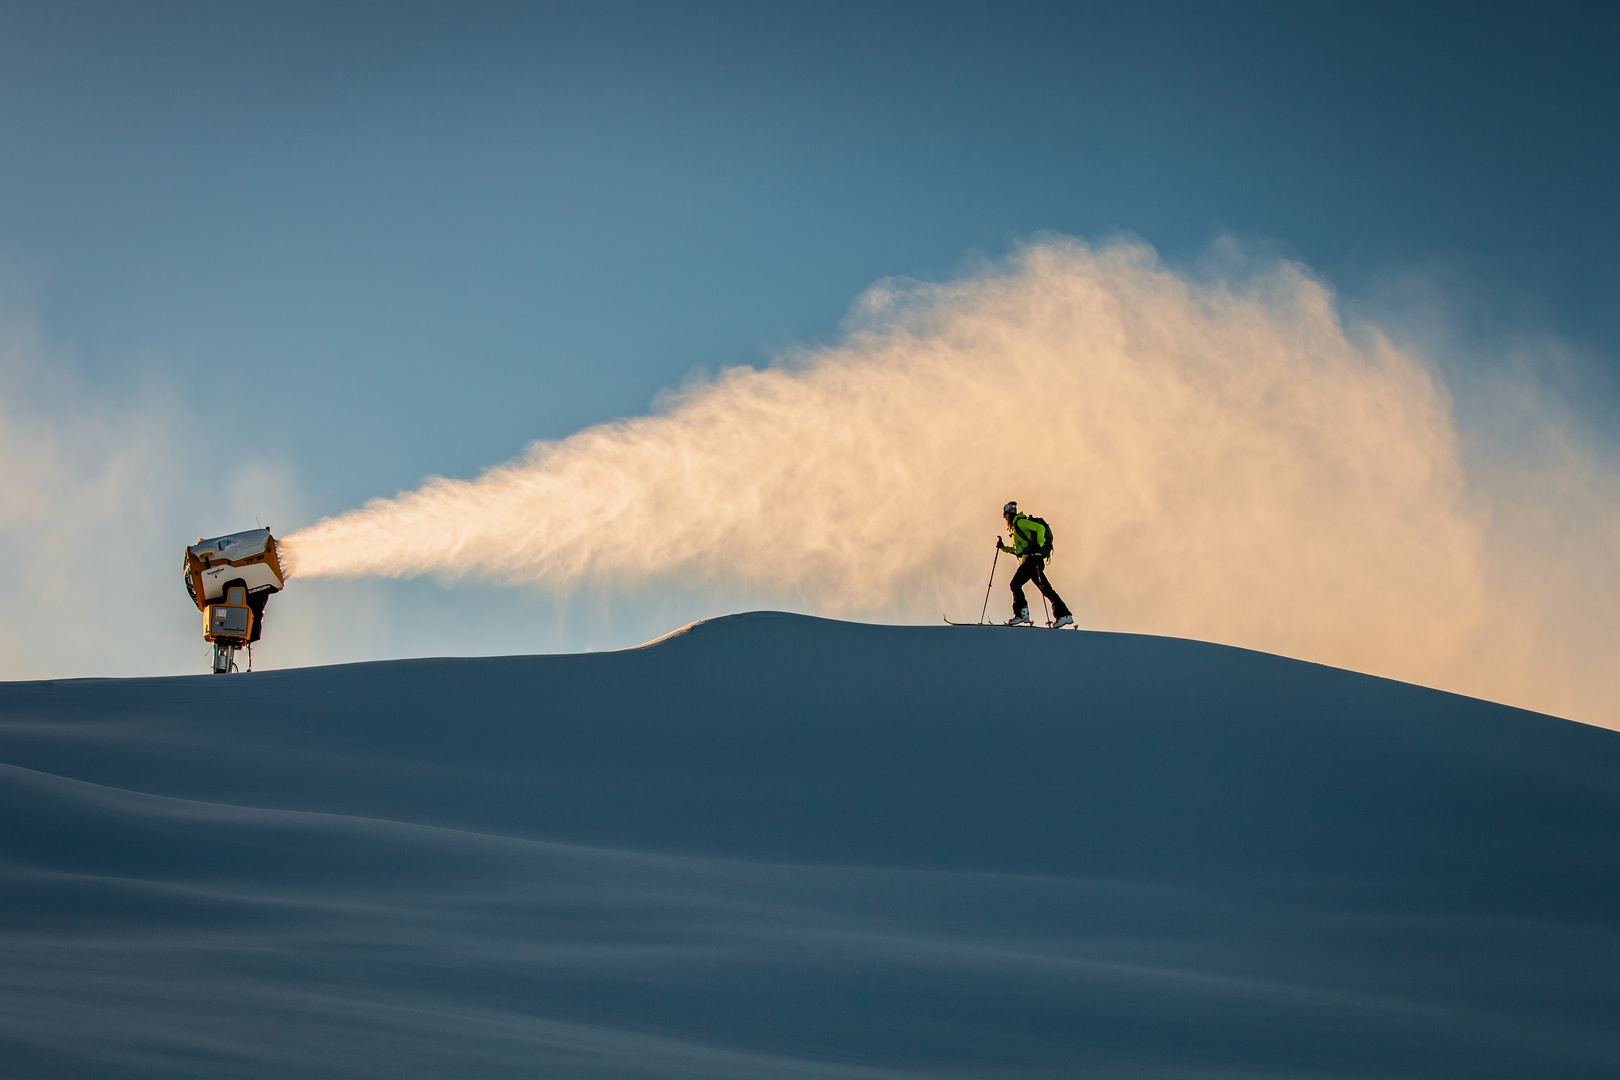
x=443 y=231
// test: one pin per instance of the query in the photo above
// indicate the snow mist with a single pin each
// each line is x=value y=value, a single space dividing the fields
x=1218 y=459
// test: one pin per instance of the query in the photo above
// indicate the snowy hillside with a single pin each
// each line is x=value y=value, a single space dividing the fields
x=772 y=845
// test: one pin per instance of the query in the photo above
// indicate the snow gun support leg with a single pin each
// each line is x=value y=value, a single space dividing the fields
x=224 y=658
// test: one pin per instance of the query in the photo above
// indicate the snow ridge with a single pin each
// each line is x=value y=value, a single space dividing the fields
x=776 y=845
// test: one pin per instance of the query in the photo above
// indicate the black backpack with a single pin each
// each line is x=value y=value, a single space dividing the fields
x=1046 y=548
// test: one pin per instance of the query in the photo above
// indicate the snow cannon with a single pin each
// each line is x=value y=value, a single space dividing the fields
x=230 y=579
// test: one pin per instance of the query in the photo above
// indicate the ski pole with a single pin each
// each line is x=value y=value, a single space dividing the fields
x=991 y=582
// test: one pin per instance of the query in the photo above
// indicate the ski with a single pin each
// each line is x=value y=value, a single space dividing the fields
x=1032 y=626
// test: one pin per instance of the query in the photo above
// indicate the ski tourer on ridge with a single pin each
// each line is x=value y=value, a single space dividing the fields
x=1032 y=543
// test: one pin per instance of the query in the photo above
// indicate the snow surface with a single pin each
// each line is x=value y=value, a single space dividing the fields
x=771 y=845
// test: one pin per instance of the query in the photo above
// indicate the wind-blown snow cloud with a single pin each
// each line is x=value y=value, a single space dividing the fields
x=77 y=514
x=1219 y=459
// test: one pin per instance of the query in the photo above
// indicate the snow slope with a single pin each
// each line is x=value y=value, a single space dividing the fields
x=772 y=845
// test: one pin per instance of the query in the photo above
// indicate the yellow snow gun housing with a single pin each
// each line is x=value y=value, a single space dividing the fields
x=231 y=622
x=230 y=579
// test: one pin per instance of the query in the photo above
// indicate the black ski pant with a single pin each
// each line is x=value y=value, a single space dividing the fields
x=1033 y=568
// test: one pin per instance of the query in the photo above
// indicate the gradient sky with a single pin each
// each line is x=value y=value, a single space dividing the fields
x=434 y=233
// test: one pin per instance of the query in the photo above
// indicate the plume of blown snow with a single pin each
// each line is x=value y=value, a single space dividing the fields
x=1219 y=459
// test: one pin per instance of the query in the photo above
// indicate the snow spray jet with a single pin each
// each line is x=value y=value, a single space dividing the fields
x=1219 y=459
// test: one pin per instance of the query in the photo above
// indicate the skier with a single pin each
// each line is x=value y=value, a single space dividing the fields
x=1032 y=543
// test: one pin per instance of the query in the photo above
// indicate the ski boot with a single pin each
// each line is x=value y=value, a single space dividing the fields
x=1062 y=621
x=1020 y=619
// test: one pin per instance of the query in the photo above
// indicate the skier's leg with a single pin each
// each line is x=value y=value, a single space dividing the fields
x=1026 y=570
x=1059 y=608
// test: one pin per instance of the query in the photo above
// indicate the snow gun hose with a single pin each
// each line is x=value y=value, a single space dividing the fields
x=992 y=582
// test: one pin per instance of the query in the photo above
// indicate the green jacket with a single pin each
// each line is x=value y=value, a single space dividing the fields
x=1028 y=537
